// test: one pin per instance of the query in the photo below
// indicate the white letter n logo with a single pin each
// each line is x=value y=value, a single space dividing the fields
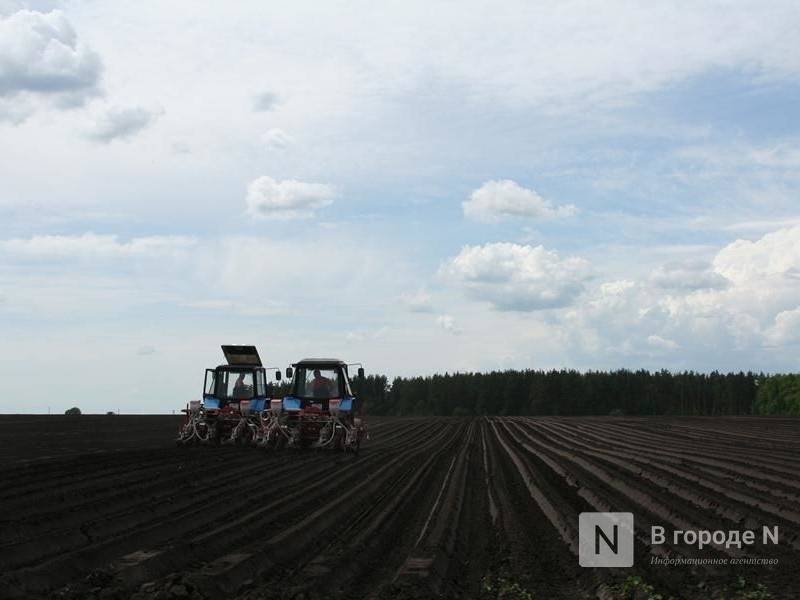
x=605 y=539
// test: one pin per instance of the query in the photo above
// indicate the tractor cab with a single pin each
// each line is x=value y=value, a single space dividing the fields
x=239 y=384
x=319 y=384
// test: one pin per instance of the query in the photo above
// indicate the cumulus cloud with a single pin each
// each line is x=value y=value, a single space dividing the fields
x=277 y=139
x=448 y=323
x=265 y=101
x=287 y=199
x=517 y=277
x=496 y=200
x=747 y=300
x=689 y=275
x=786 y=328
x=40 y=56
x=776 y=254
x=609 y=316
x=765 y=282
x=90 y=245
x=121 y=123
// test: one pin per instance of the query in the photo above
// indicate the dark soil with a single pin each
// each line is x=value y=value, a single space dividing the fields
x=107 y=507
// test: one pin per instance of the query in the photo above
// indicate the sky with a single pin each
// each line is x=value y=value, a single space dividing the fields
x=418 y=186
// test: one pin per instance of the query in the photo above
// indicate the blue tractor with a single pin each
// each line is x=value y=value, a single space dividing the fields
x=235 y=396
x=321 y=410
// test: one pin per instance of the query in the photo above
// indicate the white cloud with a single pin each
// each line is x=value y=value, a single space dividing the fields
x=777 y=254
x=448 y=323
x=517 y=277
x=609 y=315
x=287 y=199
x=90 y=245
x=786 y=328
x=684 y=310
x=40 y=56
x=688 y=275
x=121 y=123
x=495 y=200
x=277 y=139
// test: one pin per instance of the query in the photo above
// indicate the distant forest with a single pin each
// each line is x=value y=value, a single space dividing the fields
x=568 y=392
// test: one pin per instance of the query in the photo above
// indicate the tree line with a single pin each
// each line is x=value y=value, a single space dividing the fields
x=571 y=392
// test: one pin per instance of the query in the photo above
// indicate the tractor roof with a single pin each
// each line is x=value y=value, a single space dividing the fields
x=241 y=355
x=320 y=362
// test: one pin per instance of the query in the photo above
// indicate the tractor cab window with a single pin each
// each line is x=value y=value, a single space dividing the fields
x=236 y=385
x=210 y=383
x=319 y=383
x=347 y=389
x=261 y=384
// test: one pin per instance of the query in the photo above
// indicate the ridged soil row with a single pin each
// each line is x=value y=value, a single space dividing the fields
x=433 y=563
x=699 y=459
x=763 y=431
x=190 y=512
x=130 y=491
x=723 y=456
x=75 y=472
x=92 y=512
x=300 y=542
x=366 y=551
x=180 y=517
x=82 y=528
x=603 y=491
x=662 y=457
x=618 y=486
x=707 y=492
x=535 y=541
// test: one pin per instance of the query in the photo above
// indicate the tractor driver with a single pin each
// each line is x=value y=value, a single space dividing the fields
x=240 y=387
x=321 y=386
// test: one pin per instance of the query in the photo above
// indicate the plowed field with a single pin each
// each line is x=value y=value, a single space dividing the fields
x=108 y=507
